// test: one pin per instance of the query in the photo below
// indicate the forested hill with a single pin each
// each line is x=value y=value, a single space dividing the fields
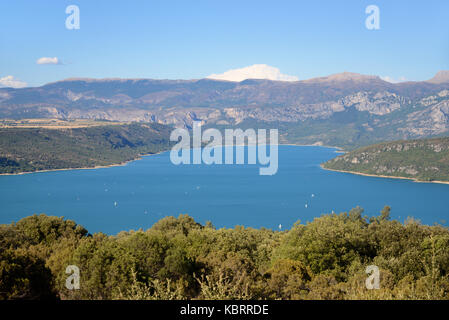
x=34 y=149
x=181 y=259
x=423 y=160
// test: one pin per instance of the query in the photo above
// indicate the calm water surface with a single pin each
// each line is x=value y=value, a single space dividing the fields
x=140 y=193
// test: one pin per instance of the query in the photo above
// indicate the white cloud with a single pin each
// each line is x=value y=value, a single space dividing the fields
x=256 y=71
x=10 y=81
x=392 y=80
x=48 y=60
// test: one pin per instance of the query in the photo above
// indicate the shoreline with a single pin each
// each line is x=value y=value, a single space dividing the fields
x=136 y=159
x=338 y=150
x=86 y=168
x=383 y=176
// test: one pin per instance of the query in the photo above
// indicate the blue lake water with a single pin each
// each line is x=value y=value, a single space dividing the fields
x=140 y=193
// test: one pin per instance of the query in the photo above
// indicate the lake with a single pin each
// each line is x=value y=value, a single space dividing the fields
x=141 y=192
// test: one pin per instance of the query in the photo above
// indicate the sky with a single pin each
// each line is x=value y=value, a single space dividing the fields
x=195 y=39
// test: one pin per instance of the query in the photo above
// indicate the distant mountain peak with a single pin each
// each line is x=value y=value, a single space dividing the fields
x=441 y=77
x=344 y=76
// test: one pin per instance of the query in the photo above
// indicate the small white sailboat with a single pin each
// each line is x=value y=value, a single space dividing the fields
x=280 y=226
x=115 y=203
x=306 y=206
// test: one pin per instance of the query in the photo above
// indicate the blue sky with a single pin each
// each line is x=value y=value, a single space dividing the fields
x=193 y=39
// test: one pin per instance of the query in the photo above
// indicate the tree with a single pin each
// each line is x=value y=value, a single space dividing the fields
x=23 y=276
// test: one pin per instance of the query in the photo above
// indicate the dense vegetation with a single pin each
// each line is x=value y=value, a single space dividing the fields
x=33 y=149
x=423 y=160
x=180 y=259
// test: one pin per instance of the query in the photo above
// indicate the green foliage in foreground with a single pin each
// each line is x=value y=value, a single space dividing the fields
x=180 y=259
x=27 y=150
x=423 y=160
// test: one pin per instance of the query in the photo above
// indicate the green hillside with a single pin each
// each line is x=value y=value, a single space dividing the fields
x=422 y=160
x=34 y=149
x=178 y=258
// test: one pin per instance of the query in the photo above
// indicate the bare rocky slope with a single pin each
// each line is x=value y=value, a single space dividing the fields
x=345 y=109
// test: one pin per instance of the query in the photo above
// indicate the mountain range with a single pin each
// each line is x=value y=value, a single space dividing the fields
x=345 y=109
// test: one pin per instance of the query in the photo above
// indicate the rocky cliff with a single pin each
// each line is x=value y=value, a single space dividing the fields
x=359 y=108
